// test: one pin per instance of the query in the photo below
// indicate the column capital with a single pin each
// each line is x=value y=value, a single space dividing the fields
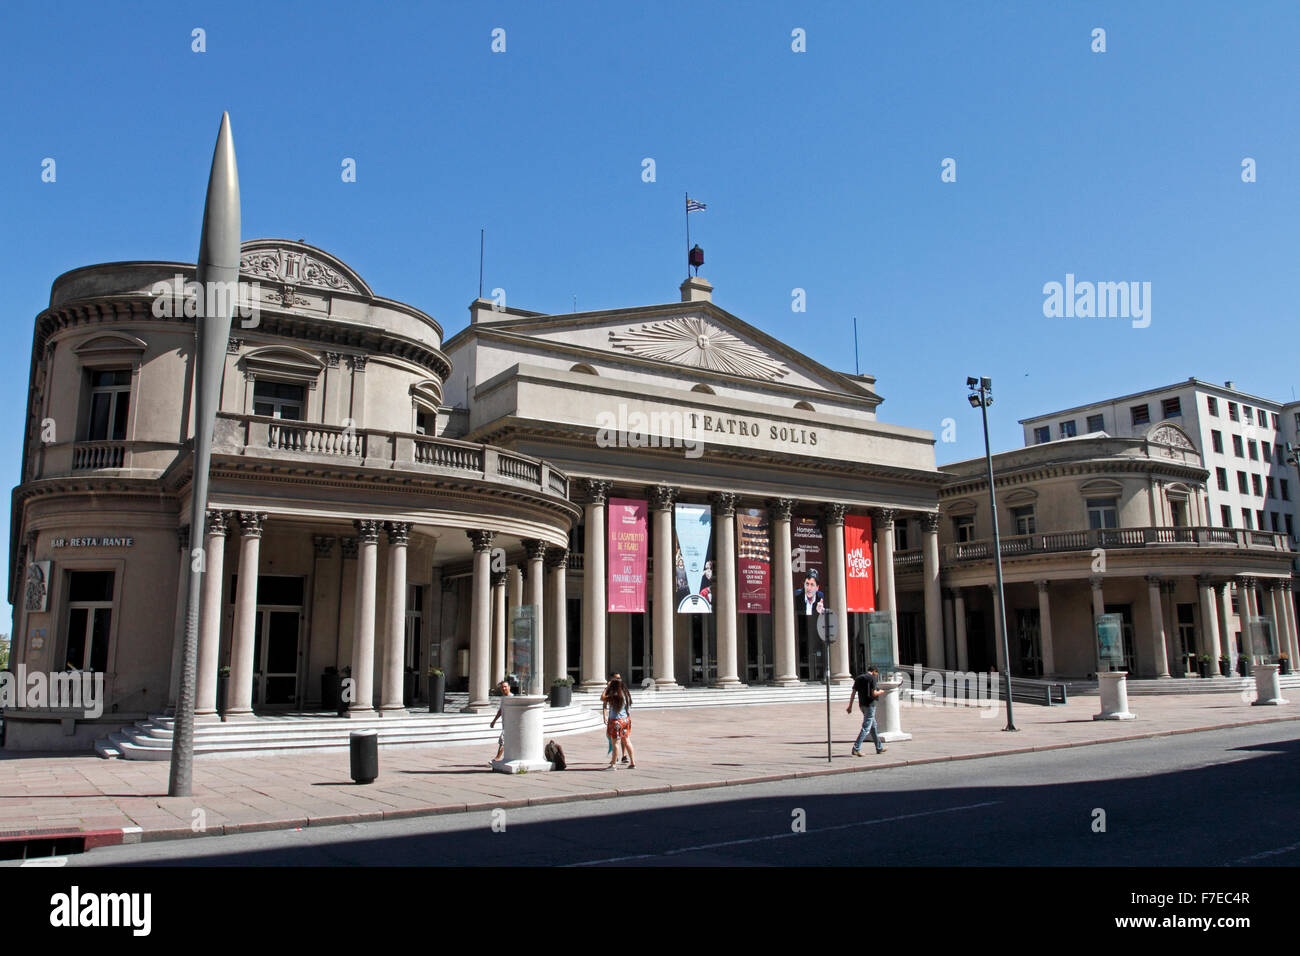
x=1274 y=584
x=1095 y=582
x=884 y=517
x=781 y=508
x=358 y=362
x=1205 y=580
x=1153 y=581
x=332 y=359
x=250 y=523
x=324 y=544
x=498 y=579
x=481 y=540
x=367 y=531
x=593 y=491
x=1285 y=584
x=399 y=532
x=535 y=548
x=1247 y=581
x=557 y=558
x=1042 y=584
x=834 y=513
x=724 y=503
x=661 y=497
x=349 y=548
x=929 y=521
x=216 y=522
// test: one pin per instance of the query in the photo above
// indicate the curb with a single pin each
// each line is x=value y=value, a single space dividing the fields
x=135 y=834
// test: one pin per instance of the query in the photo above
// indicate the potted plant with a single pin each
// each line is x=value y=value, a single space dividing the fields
x=1225 y=666
x=1243 y=665
x=330 y=683
x=223 y=684
x=437 y=689
x=1203 y=665
x=1283 y=664
x=562 y=692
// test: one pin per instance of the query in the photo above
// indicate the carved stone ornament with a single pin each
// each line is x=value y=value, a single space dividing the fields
x=1168 y=435
x=692 y=341
x=289 y=268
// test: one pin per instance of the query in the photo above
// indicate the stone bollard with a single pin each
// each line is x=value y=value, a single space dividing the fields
x=1268 y=690
x=1114 y=696
x=889 y=724
x=523 y=720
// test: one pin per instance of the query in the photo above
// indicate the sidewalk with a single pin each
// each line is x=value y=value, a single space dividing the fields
x=676 y=750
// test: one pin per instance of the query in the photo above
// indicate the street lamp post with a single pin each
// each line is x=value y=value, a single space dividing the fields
x=981 y=397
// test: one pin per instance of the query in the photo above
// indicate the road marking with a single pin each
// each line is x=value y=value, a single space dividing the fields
x=782 y=836
x=1267 y=853
x=47 y=861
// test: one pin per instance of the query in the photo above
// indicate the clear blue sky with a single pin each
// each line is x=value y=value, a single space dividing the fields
x=821 y=171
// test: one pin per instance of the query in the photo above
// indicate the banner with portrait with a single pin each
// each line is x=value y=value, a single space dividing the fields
x=693 y=559
x=808 y=566
x=753 y=561
x=628 y=548
x=859 y=569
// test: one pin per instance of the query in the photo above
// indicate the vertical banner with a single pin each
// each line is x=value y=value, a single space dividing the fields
x=753 y=562
x=859 y=572
x=808 y=565
x=693 y=575
x=628 y=547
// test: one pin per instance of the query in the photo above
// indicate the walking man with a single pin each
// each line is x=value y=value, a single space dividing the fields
x=865 y=689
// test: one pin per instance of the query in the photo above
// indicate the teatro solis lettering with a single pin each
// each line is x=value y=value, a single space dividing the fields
x=746 y=429
x=76 y=909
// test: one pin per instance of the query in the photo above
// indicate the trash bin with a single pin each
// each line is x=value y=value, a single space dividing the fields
x=364 y=748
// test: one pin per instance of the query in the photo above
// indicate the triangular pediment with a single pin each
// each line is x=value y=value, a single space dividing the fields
x=297 y=264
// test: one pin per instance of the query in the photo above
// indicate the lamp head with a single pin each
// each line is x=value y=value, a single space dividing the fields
x=974 y=399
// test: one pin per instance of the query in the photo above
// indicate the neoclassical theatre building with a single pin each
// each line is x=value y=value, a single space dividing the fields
x=381 y=500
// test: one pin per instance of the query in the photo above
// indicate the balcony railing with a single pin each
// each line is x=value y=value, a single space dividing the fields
x=98 y=454
x=328 y=440
x=1193 y=537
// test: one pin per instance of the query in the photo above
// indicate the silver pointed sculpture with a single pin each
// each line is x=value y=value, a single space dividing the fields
x=218 y=277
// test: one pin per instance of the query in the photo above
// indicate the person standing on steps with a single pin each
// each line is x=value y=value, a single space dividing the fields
x=865 y=689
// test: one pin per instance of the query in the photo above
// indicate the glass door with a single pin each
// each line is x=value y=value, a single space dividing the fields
x=275 y=656
x=704 y=661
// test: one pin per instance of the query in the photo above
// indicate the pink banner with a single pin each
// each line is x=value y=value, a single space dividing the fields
x=628 y=547
x=754 y=562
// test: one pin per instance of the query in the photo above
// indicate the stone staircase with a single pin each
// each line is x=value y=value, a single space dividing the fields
x=647 y=699
x=279 y=733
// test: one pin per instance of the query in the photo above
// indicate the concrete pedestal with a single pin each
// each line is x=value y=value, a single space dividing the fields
x=1114 y=696
x=1268 y=692
x=522 y=721
x=889 y=725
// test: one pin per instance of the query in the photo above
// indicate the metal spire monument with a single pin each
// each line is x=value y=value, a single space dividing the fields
x=218 y=281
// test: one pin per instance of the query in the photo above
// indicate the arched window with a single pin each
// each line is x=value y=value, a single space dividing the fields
x=584 y=369
x=705 y=389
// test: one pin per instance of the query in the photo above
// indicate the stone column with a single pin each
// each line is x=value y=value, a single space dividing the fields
x=1098 y=609
x=724 y=588
x=392 y=691
x=1209 y=621
x=499 y=612
x=1045 y=628
x=1168 y=588
x=594 y=494
x=480 y=621
x=363 y=629
x=1288 y=610
x=514 y=587
x=1226 y=639
x=557 y=628
x=534 y=594
x=933 y=606
x=949 y=630
x=883 y=525
x=998 y=611
x=959 y=622
x=178 y=619
x=783 y=632
x=205 y=699
x=837 y=654
x=239 y=689
x=664 y=613
x=1159 y=654
x=1249 y=613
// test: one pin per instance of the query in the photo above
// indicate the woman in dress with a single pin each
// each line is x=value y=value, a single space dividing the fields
x=616 y=703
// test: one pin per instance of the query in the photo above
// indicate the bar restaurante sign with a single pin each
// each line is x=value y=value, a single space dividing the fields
x=92 y=542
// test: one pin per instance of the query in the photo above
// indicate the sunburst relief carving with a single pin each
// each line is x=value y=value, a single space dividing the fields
x=689 y=340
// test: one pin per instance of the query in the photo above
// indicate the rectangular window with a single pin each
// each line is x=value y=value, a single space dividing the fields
x=1277 y=422
x=1232 y=412
x=1243 y=484
x=110 y=400
x=90 y=616
x=1237 y=447
x=1253 y=448
x=1171 y=408
x=1225 y=514
x=1068 y=429
x=1024 y=519
x=1245 y=519
x=1141 y=414
x=1216 y=441
x=1096 y=423
x=1212 y=404
x=1266 y=451
x=1268 y=485
x=1042 y=434
x=1259 y=520
x=1247 y=414
x=1272 y=517
x=1257 y=485
x=279 y=400
x=1285 y=488
x=963 y=528
x=1103 y=513
x=1222 y=474
x=1289 y=528
x=900 y=535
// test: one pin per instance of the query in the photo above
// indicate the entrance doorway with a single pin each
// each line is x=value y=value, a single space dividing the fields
x=640 y=665
x=758 y=648
x=1028 y=646
x=704 y=650
x=277 y=641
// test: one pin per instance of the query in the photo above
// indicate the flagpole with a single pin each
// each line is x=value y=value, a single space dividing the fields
x=688 y=235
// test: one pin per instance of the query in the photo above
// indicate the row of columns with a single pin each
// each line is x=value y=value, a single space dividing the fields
x=595 y=494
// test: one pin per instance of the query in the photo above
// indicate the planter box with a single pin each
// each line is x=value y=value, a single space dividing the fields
x=437 y=693
x=562 y=695
x=1225 y=668
x=1284 y=666
x=330 y=687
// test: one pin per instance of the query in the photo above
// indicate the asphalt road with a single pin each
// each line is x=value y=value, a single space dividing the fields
x=1210 y=799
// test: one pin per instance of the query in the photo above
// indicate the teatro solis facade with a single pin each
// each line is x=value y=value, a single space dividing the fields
x=338 y=501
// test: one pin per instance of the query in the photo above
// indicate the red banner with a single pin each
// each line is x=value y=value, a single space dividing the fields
x=753 y=562
x=628 y=548
x=859 y=571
